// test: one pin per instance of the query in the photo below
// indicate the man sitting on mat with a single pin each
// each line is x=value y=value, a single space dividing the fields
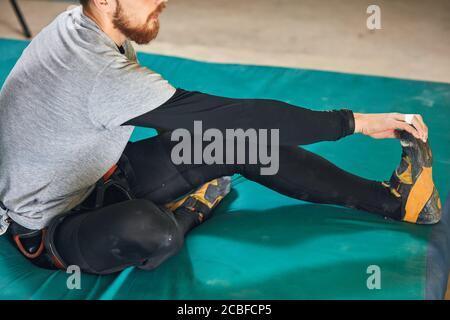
x=74 y=191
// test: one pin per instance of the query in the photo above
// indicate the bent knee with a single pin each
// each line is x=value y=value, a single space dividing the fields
x=150 y=227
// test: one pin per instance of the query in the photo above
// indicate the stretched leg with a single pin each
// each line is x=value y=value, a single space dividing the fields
x=307 y=176
x=302 y=175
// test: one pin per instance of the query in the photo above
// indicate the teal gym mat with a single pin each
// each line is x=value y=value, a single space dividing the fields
x=262 y=245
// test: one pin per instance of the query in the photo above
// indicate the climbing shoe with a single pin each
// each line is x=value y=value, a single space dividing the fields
x=412 y=182
x=203 y=200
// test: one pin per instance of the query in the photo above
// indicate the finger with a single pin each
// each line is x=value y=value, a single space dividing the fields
x=416 y=121
x=420 y=126
x=409 y=128
x=425 y=127
x=411 y=119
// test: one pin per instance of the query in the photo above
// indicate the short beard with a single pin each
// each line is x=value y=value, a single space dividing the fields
x=141 y=35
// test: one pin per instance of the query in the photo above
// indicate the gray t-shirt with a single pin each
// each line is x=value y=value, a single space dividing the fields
x=61 y=110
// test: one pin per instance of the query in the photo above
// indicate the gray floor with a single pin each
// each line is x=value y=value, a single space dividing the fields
x=414 y=41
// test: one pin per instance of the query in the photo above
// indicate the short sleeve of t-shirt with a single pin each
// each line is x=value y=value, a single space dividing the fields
x=124 y=90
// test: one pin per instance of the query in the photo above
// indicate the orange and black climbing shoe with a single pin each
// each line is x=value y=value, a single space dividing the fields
x=203 y=200
x=412 y=181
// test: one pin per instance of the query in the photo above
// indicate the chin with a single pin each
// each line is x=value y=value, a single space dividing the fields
x=144 y=40
x=145 y=35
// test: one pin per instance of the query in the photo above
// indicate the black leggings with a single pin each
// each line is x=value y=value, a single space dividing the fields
x=143 y=233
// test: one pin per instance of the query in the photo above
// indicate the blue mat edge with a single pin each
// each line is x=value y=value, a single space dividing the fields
x=438 y=257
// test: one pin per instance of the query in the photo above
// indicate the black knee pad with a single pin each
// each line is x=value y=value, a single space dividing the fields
x=147 y=233
x=161 y=237
x=151 y=227
x=130 y=233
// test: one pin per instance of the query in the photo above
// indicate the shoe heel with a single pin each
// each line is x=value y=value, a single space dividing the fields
x=432 y=212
